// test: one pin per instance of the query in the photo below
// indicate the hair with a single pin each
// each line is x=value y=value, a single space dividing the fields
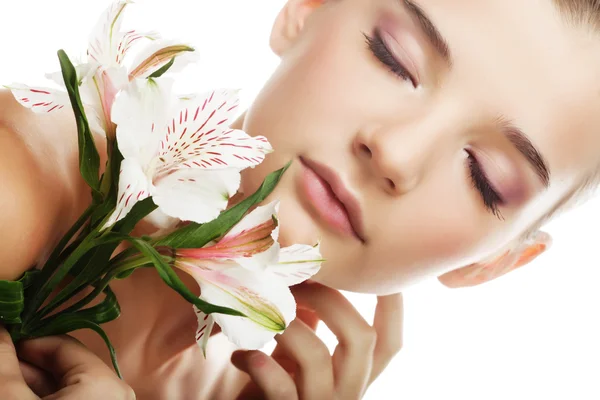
x=580 y=13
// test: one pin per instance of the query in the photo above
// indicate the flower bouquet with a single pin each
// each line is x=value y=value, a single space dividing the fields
x=173 y=161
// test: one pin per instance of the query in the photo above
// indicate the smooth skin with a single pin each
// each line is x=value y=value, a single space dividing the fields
x=400 y=148
x=56 y=368
x=301 y=366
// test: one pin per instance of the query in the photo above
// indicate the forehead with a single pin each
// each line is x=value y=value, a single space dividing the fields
x=523 y=59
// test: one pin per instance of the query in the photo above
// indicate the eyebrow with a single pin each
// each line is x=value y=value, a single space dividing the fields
x=433 y=34
x=524 y=146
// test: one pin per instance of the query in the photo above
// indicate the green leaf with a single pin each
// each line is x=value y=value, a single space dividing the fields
x=11 y=302
x=12 y=297
x=90 y=318
x=159 y=72
x=109 y=186
x=53 y=262
x=140 y=210
x=89 y=159
x=196 y=236
x=170 y=277
x=95 y=264
x=124 y=274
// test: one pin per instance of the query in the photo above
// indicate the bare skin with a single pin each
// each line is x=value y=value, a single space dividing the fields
x=400 y=146
x=156 y=347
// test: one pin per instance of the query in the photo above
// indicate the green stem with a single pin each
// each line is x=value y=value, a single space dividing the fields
x=51 y=265
x=125 y=254
x=101 y=285
x=107 y=178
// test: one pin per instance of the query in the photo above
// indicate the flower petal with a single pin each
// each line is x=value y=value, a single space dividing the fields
x=161 y=220
x=103 y=42
x=266 y=301
x=297 y=263
x=195 y=195
x=39 y=100
x=245 y=242
x=94 y=120
x=133 y=187
x=196 y=136
x=257 y=217
x=84 y=71
x=205 y=327
x=158 y=54
x=139 y=112
x=128 y=39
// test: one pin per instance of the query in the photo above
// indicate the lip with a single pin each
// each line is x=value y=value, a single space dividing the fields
x=342 y=194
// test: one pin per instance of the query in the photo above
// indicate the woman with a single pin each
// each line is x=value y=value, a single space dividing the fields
x=428 y=138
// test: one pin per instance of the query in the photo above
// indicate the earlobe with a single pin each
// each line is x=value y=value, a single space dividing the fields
x=290 y=22
x=476 y=274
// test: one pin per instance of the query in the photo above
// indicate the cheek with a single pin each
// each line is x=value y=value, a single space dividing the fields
x=427 y=239
x=318 y=88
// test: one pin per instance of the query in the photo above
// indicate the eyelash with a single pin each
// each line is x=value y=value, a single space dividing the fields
x=491 y=198
x=380 y=50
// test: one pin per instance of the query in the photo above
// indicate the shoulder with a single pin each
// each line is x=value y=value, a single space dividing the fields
x=38 y=166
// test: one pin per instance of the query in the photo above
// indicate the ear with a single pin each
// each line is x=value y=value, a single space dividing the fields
x=510 y=260
x=289 y=23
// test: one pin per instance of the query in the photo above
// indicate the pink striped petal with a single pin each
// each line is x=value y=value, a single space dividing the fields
x=205 y=327
x=265 y=300
x=198 y=119
x=39 y=100
x=232 y=148
x=104 y=39
x=128 y=40
x=206 y=144
x=133 y=187
x=108 y=45
x=297 y=263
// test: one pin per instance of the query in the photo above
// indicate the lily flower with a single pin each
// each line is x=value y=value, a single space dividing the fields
x=190 y=162
x=261 y=294
x=104 y=74
x=252 y=243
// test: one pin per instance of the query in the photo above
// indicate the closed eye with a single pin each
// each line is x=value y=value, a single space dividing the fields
x=385 y=56
x=491 y=199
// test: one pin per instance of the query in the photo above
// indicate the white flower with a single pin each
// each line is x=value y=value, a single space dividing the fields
x=104 y=74
x=189 y=162
x=261 y=294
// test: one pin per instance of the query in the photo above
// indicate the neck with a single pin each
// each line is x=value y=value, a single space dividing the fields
x=155 y=327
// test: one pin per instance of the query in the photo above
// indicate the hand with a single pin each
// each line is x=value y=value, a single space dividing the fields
x=56 y=368
x=301 y=367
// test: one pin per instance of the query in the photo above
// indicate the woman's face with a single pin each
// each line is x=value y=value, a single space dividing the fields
x=445 y=148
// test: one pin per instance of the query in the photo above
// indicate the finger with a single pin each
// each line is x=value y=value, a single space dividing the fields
x=311 y=319
x=38 y=380
x=9 y=363
x=62 y=356
x=352 y=358
x=266 y=374
x=315 y=379
x=388 y=324
x=12 y=384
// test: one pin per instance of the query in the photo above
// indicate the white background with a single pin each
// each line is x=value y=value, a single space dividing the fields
x=532 y=335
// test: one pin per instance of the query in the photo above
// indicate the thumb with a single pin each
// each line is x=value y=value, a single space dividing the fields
x=9 y=363
x=62 y=356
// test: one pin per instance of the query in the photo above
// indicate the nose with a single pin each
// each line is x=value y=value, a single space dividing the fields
x=395 y=159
